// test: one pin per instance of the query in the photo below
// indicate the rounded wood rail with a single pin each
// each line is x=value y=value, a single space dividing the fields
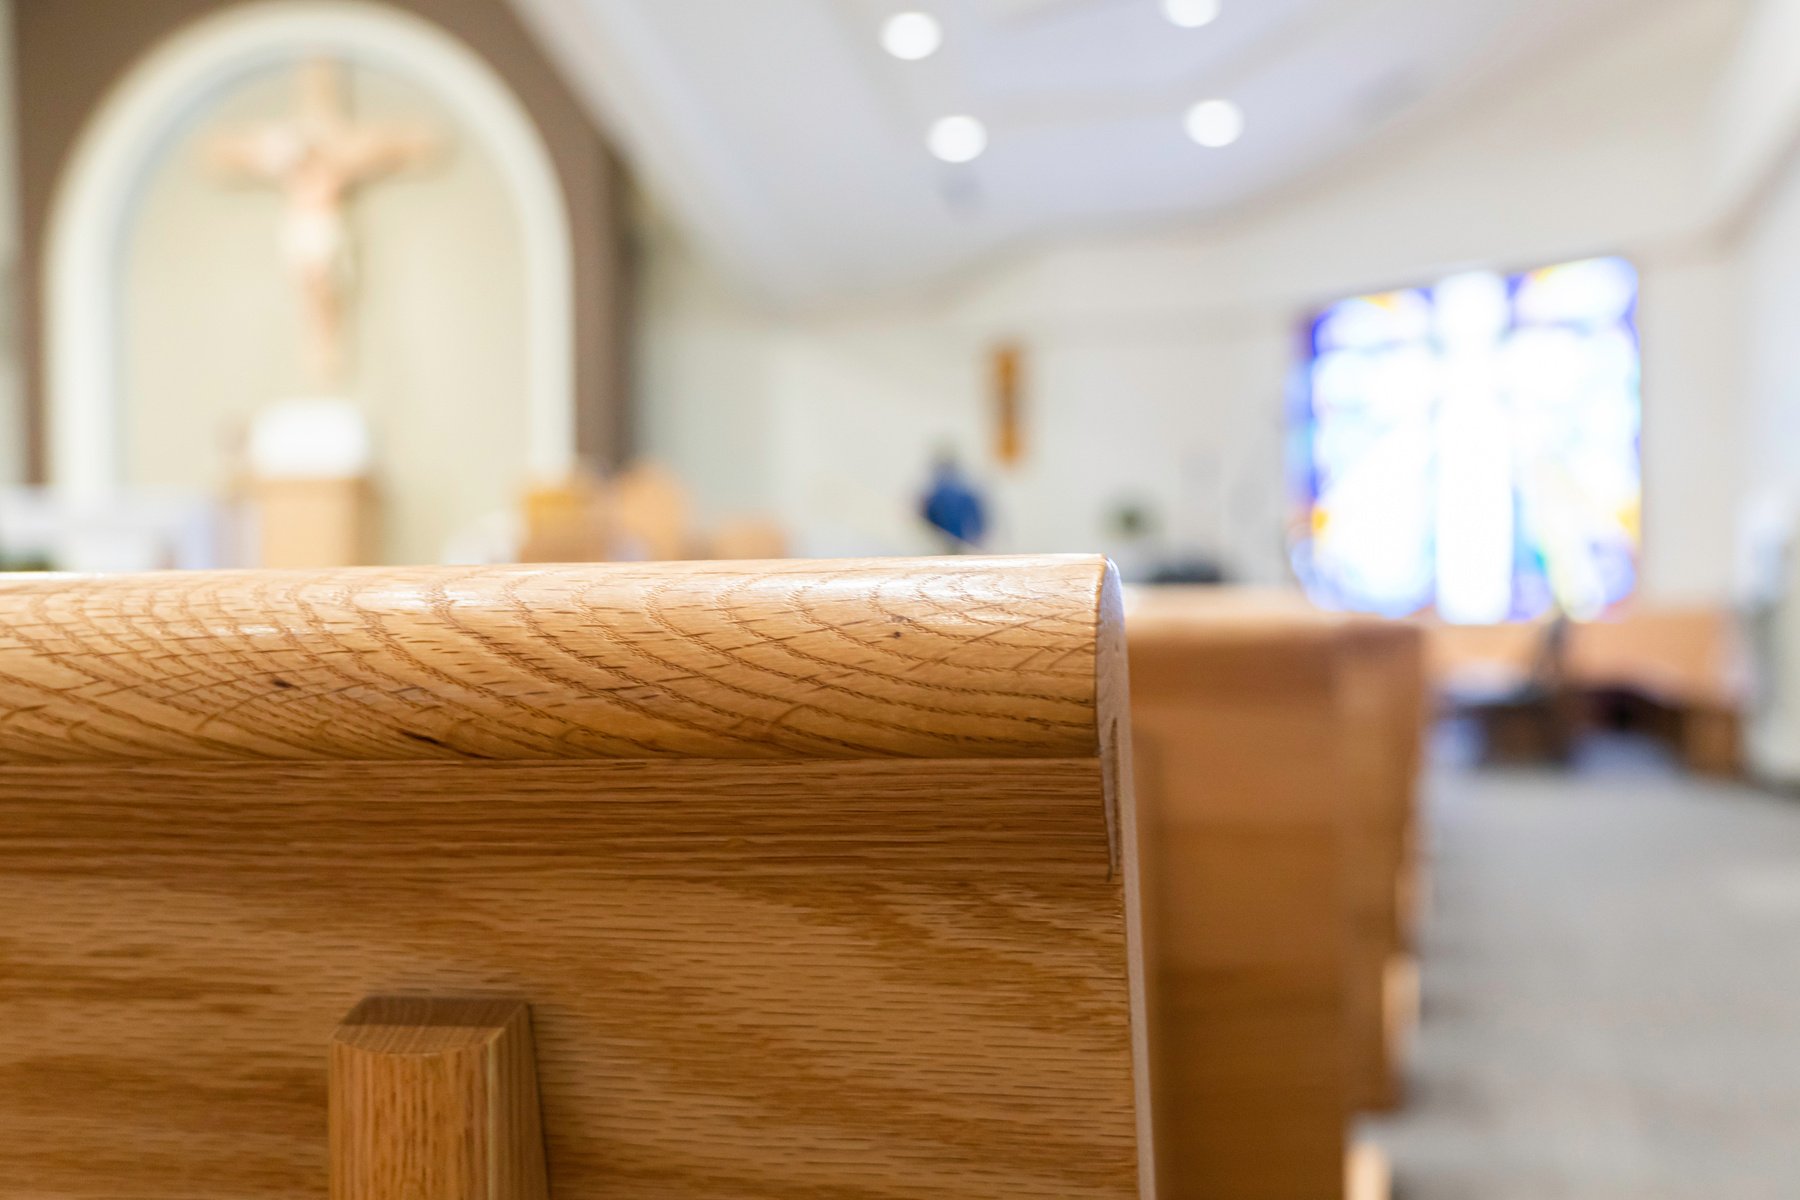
x=943 y=658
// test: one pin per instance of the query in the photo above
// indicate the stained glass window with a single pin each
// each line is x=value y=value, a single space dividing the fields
x=1471 y=447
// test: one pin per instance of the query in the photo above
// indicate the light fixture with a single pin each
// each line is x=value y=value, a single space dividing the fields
x=912 y=35
x=957 y=139
x=1191 y=14
x=1215 y=123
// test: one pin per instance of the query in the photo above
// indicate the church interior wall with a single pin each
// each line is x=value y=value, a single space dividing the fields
x=1157 y=362
x=971 y=598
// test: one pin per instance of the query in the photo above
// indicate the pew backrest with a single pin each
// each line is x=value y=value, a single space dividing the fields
x=818 y=877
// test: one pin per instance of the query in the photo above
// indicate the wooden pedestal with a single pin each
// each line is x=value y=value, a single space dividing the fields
x=313 y=522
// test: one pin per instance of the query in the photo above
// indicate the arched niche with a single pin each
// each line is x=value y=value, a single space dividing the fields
x=93 y=206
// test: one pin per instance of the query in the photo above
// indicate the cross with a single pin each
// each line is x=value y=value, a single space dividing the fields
x=318 y=158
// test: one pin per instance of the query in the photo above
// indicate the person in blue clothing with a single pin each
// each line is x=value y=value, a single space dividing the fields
x=953 y=507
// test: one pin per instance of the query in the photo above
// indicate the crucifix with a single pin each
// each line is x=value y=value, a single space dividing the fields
x=318 y=158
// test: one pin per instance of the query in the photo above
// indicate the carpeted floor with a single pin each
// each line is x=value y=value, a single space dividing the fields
x=1611 y=990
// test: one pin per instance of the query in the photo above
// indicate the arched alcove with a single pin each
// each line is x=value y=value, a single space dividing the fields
x=93 y=206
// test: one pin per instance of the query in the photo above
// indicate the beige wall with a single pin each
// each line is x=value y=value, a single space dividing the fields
x=212 y=320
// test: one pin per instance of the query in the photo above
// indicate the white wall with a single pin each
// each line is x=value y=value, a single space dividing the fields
x=1158 y=362
x=1769 y=247
x=708 y=354
x=1754 y=117
x=1768 y=244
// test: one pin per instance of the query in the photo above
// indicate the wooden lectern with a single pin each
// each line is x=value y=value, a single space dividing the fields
x=702 y=880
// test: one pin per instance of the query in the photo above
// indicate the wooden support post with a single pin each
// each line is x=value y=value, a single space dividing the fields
x=436 y=1099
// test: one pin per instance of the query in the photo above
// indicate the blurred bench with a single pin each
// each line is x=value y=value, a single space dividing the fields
x=801 y=879
x=1276 y=753
x=1683 y=665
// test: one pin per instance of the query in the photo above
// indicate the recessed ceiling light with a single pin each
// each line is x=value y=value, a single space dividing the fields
x=912 y=35
x=1215 y=123
x=1191 y=14
x=957 y=139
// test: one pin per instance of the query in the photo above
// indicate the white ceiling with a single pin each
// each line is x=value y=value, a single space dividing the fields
x=786 y=141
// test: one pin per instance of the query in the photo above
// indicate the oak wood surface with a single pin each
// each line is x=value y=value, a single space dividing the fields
x=821 y=887
x=435 y=1098
x=953 y=658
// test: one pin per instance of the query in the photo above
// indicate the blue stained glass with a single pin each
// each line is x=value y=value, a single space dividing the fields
x=1472 y=447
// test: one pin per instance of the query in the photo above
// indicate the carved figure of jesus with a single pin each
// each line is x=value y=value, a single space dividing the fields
x=318 y=158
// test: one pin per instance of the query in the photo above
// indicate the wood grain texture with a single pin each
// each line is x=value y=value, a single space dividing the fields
x=853 y=960
x=435 y=1098
x=969 y=658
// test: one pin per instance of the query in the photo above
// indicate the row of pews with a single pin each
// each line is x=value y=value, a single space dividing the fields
x=744 y=880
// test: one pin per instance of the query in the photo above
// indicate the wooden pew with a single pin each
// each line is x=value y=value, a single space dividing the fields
x=1686 y=660
x=1387 y=703
x=771 y=879
x=1276 y=749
